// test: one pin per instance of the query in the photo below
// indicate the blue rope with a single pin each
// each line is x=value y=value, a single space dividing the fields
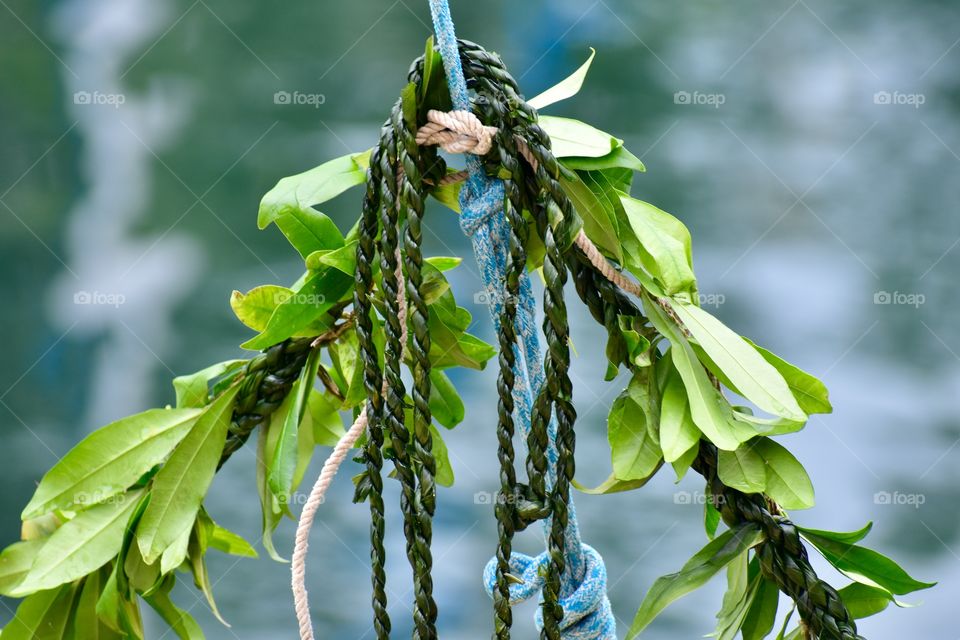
x=583 y=593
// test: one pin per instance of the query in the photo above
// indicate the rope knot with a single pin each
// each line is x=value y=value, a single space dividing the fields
x=586 y=609
x=457 y=132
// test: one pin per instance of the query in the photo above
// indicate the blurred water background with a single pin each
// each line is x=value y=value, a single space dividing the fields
x=810 y=146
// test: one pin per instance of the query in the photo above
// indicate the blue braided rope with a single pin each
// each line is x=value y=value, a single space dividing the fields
x=583 y=594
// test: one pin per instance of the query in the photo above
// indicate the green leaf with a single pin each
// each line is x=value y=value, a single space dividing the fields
x=181 y=622
x=863 y=601
x=318 y=294
x=567 y=88
x=180 y=486
x=598 y=214
x=710 y=411
x=175 y=555
x=619 y=158
x=694 y=574
x=444 y=475
x=110 y=460
x=255 y=307
x=663 y=248
x=284 y=462
x=741 y=590
x=271 y=510
x=711 y=519
x=193 y=390
x=199 y=541
x=754 y=377
x=42 y=616
x=445 y=403
x=574 y=138
x=811 y=394
x=851 y=537
x=762 y=615
x=324 y=414
x=290 y=204
x=15 y=562
x=444 y=263
x=632 y=431
x=678 y=433
x=787 y=481
x=865 y=566
x=743 y=469
x=81 y=545
x=682 y=464
x=612 y=485
x=117 y=612
x=85 y=624
x=229 y=542
x=343 y=259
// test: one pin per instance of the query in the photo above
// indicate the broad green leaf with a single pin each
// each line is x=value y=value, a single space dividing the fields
x=762 y=616
x=682 y=464
x=450 y=345
x=448 y=194
x=42 y=616
x=632 y=432
x=866 y=566
x=15 y=562
x=694 y=574
x=710 y=412
x=199 y=541
x=284 y=462
x=619 y=158
x=143 y=578
x=110 y=460
x=787 y=481
x=811 y=394
x=85 y=624
x=598 y=214
x=711 y=519
x=863 y=601
x=343 y=259
x=664 y=245
x=118 y=613
x=574 y=138
x=180 y=486
x=741 y=590
x=181 y=622
x=229 y=542
x=174 y=555
x=271 y=510
x=850 y=537
x=678 y=433
x=81 y=545
x=193 y=390
x=444 y=476
x=318 y=294
x=612 y=485
x=348 y=364
x=567 y=88
x=434 y=93
x=255 y=307
x=325 y=419
x=445 y=403
x=444 y=263
x=754 y=377
x=290 y=204
x=743 y=469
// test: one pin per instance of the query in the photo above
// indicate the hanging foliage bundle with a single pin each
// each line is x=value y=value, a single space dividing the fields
x=111 y=524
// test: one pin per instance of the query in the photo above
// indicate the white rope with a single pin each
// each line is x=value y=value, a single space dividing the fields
x=298 y=562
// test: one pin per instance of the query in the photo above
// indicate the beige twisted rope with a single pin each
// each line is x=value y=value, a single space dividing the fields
x=298 y=562
x=454 y=132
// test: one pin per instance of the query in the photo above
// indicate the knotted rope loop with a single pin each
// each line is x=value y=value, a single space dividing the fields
x=456 y=132
x=586 y=611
